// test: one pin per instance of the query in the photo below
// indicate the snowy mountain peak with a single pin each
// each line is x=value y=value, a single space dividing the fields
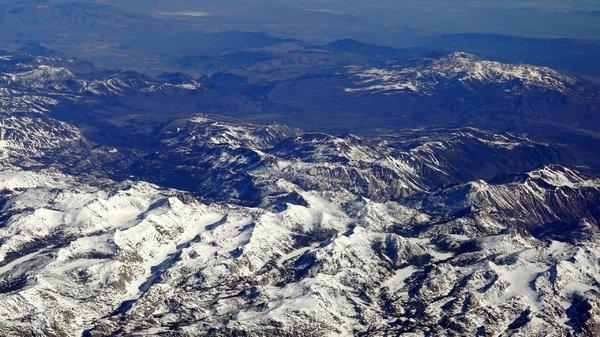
x=459 y=55
x=451 y=70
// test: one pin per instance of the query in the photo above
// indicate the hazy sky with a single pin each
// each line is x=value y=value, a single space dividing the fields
x=383 y=19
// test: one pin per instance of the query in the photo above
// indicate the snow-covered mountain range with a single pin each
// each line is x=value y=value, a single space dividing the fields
x=124 y=213
x=518 y=256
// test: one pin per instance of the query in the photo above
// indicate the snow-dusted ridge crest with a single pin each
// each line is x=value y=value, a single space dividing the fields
x=462 y=68
x=37 y=84
x=239 y=162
